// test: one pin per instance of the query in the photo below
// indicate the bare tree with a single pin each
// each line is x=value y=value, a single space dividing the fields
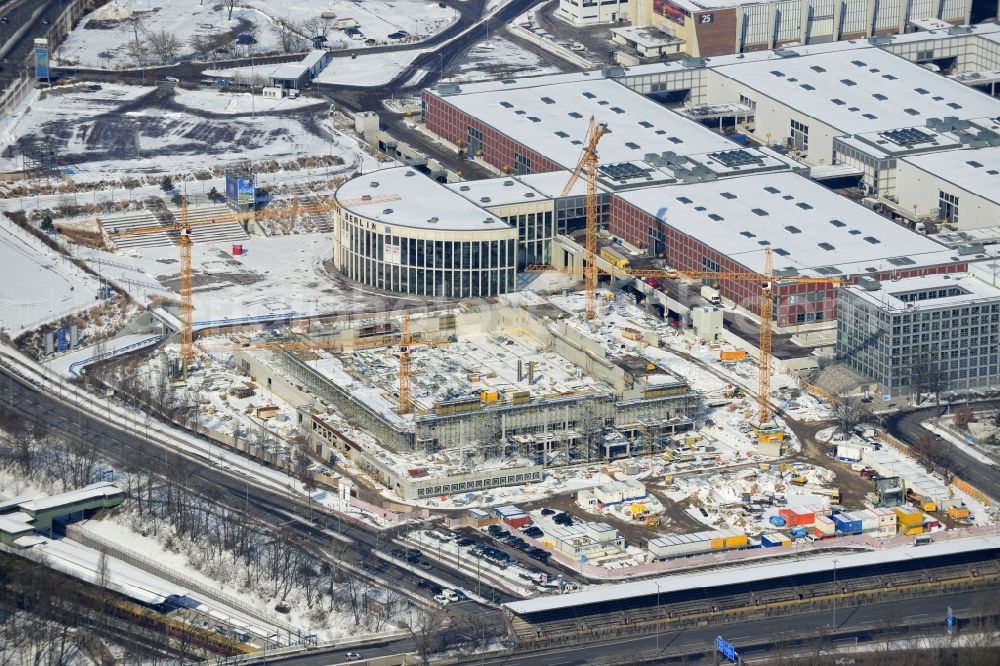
x=229 y=5
x=424 y=629
x=165 y=45
x=927 y=377
x=136 y=48
x=289 y=36
x=850 y=412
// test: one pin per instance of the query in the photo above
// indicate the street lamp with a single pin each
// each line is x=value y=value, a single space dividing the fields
x=657 y=618
x=835 y=594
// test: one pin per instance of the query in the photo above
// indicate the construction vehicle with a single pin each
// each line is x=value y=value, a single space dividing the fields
x=652 y=521
x=796 y=479
x=922 y=502
x=959 y=513
x=834 y=495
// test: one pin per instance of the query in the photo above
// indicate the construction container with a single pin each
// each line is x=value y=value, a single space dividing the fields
x=910 y=530
x=774 y=540
x=869 y=520
x=797 y=516
x=489 y=397
x=907 y=516
x=798 y=533
x=846 y=524
x=631 y=333
x=732 y=355
x=849 y=452
x=518 y=520
x=958 y=513
x=237 y=249
x=680 y=545
x=519 y=397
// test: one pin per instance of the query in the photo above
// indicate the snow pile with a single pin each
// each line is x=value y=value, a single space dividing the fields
x=114 y=11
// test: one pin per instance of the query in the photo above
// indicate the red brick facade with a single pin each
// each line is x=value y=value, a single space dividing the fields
x=498 y=149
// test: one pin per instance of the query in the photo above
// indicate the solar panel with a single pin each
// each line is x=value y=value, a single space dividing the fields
x=827 y=270
x=908 y=136
x=623 y=171
x=735 y=158
x=901 y=261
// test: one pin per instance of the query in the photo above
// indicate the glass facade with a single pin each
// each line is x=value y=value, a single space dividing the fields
x=463 y=264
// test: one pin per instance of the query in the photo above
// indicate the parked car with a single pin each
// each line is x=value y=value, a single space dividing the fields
x=548 y=512
x=423 y=583
x=352 y=656
x=442 y=599
x=425 y=565
x=533 y=532
x=465 y=541
x=397 y=552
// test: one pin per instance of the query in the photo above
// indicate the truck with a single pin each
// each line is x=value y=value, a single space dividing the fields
x=835 y=495
x=711 y=294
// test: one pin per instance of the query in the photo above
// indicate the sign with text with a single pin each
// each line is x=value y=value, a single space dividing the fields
x=668 y=10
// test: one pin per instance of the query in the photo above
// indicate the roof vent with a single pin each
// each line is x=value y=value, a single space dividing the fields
x=433 y=220
x=374 y=183
x=485 y=199
x=488 y=221
x=464 y=188
x=508 y=183
x=387 y=211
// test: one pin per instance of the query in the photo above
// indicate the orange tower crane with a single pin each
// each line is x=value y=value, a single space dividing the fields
x=405 y=340
x=588 y=163
x=766 y=281
x=184 y=227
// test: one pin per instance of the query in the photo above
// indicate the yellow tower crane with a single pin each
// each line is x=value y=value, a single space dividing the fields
x=185 y=226
x=588 y=163
x=765 y=426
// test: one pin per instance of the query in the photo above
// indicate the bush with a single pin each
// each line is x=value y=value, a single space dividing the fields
x=166 y=184
x=47 y=223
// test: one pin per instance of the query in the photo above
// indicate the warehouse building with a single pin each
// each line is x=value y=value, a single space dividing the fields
x=719 y=27
x=682 y=545
x=960 y=188
x=811 y=231
x=805 y=101
x=421 y=243
x=938 y=331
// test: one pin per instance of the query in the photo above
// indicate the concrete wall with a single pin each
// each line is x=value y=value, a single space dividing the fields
x=916 y=187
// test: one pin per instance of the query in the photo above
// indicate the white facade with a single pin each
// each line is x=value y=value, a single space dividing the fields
x=959 y=187
x=717 y=27
x=593 y=12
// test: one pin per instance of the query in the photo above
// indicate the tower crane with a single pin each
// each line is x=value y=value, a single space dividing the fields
x=766 y=281
x=588 y=163
x=405 y=340
x=185 y=226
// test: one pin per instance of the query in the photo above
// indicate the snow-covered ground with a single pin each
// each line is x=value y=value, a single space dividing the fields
x=497 y=57
x=275 y=275
x=174 y=132
x=39 y=284
x=102 y=39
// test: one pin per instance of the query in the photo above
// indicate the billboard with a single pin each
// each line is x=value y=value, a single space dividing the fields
x=391 y=253
x=42 y=59
x=240 y=190
x=667 y=10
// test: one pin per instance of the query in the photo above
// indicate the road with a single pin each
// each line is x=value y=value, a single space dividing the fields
x=339 y=540
x=906 y=427
x=752 y=639
x=15 y=54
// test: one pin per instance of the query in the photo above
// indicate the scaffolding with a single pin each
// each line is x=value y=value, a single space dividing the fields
x=39 y=158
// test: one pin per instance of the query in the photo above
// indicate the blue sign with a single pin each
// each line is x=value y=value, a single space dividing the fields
x=41 y=62
x=886 y=398
x=949 y=620
x=727 y=650
x=240 y=190
x=61 y=340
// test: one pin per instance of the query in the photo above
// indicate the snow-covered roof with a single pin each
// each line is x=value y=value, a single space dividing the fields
x=976 y=170
x=12 y=523
x=87 y=493
x=423 y=203
x=84 y=563
x=857 y=92
x=734 y=576
x=18 y=501
x=958 y=289
x=807 y=226
x=294 y=70
x=551 y=118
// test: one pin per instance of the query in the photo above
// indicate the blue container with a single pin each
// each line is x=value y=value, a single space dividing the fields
x=845 y=524
x=767 y=541
x=777 y=521
x=797 y=533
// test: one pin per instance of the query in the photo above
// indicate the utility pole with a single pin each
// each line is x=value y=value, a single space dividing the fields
x=834 y=594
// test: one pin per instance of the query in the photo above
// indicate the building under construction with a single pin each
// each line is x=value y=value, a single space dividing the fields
x=501 y=382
